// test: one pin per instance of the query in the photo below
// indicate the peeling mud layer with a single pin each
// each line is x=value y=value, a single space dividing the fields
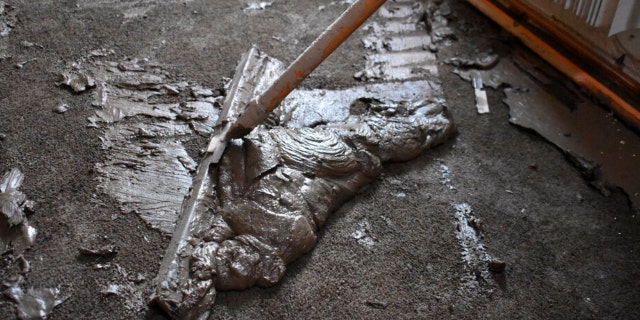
x=556 y=247
x=146 y=118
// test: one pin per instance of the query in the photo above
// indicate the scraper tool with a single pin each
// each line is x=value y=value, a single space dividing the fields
x=176 y=293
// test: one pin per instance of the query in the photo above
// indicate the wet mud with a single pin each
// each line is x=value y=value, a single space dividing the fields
x=34 y=303
x=262 y=206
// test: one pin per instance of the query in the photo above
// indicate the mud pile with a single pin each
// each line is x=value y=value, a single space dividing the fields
x=262 y=206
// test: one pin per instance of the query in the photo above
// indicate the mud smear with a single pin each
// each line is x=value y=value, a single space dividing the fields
x=397 y=45
x=33 y=304
x=477 y=262
x=261 y=207
x=15 y=231
x=445 y=177
x=17 y=235
x=146 y=116
x=482 y=62
x=130 y=9
x=8 y=18
x=540 y=99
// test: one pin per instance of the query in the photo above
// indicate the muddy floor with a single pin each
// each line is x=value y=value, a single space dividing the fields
x=397 y=250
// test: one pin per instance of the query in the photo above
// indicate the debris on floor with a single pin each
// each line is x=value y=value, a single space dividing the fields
x=483 y=62
x=62 y=108
x=78 y=82
x=363 y=234
x=29 y=44
x=253 y=6
x=17 y=235
x=8 y=18
x=376 y=304
x=21 y=64
x=125 y=286
x=437 y=21
x=496 y=265
x=494 y=78
x=25 y=266
x=482 y=105
x=108 y=250
x=111 y=290
x=33 y=304
x=603 y=148
x=14 y=227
